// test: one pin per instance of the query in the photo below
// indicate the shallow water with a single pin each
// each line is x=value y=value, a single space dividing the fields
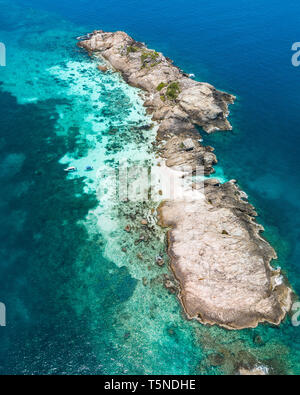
x=77 y=303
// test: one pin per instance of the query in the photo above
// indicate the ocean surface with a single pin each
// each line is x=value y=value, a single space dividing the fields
x=81 y=296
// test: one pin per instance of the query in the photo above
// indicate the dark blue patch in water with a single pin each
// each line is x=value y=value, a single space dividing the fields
x=42 y=249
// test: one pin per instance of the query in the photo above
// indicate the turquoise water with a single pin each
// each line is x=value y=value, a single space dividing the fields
x=76 y=302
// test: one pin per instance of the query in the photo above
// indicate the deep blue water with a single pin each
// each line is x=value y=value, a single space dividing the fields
x=239 y=46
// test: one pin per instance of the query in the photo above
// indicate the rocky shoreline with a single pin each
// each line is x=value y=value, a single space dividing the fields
x=216 y=251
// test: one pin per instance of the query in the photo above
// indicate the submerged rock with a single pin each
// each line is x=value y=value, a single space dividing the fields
x=140 y=239
x=159 y=261
x=102 y=68
x=216 y=359
x=145 y=281
x=170 y=285
x=258 y=340
x=127 y=335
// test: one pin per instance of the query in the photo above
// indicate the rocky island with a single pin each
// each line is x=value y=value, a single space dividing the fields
x=215 y=246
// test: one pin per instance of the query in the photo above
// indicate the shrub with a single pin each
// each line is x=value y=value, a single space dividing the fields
x=173 y=90
x=161 y=86
x=131 y=49
x=149 y=56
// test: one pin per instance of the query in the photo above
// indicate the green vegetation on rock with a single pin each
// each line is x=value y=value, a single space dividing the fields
x=149 y=57
x=131 y=49
x=173 y=91
x=161 y=86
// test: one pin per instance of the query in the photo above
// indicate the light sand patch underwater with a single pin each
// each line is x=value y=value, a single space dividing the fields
x=117 y=132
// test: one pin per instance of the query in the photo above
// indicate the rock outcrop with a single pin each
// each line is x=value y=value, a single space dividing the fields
x=221 y=261
x=173 y=96
x=217 y=253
